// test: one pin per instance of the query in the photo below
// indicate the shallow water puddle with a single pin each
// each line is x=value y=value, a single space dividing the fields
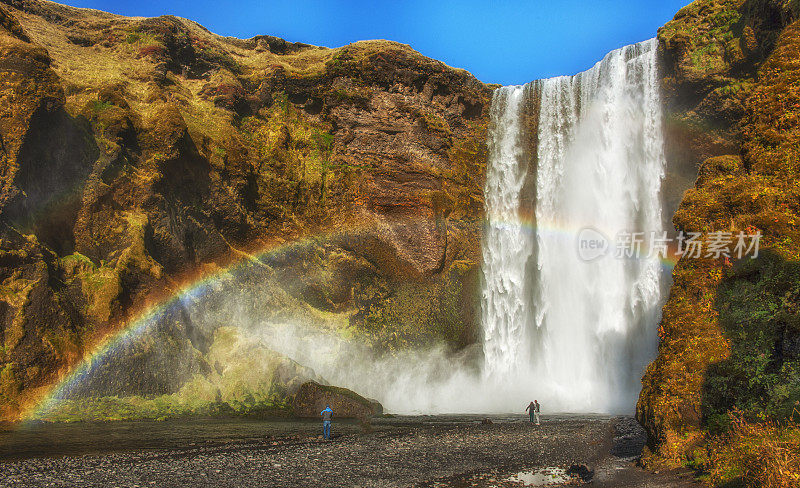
x=549 y=476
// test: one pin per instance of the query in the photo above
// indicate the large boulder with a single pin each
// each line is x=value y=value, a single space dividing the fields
x=312 y=397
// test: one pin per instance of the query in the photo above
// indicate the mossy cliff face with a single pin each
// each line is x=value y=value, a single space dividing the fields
x=729 y=332
x=139 y=153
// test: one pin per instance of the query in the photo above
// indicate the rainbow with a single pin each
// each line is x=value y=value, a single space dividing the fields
x=134 y=328
x=199 y=287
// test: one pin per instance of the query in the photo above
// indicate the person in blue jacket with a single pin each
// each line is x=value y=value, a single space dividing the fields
x=326 y=422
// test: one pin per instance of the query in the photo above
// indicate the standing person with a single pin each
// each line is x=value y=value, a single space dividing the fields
x=536 y=407
x=531 y=409
x=326 y=422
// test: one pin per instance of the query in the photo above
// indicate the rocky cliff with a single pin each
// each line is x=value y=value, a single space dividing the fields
x=139 y=154
x=730 y=332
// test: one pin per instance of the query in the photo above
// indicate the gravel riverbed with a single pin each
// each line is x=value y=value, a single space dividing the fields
x=440 y=451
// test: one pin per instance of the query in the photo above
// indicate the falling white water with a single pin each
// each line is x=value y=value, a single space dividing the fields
x=581 y=337
x=506 y=247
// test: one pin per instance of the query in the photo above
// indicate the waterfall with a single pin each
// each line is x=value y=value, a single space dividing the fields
x=505 y=244
x=575 y=331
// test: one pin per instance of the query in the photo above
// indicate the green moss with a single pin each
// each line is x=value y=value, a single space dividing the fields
x=220 y=58
x=10 y=387
x=75 y=258
x=435 y=124
x=324 y=140
x=65 y=345
x=349 y=96
x=100 y=284
x=709 y=31
x=153 y=408
x=336 y=390
x=248 y=386
x=468 y=156
x=14 y=292
x=97 y=106
x=735 y=87
x=137 y=42
x=293 y=154
x=707 y=57
x=421 y=314
x=342 y=63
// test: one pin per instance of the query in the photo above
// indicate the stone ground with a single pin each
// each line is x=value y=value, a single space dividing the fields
x=436 y=452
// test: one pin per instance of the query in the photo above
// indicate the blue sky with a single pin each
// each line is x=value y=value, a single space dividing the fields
x=500 y=41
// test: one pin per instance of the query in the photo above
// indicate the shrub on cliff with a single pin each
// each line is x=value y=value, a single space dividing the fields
x=764 y=454
x=758 y=302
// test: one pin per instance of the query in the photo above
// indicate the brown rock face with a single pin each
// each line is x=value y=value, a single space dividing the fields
x=312 y=398
x=28 y=87
x=139 y=153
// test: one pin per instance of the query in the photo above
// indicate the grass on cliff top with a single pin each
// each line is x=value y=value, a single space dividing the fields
x=710 y=30
x=119 y=41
